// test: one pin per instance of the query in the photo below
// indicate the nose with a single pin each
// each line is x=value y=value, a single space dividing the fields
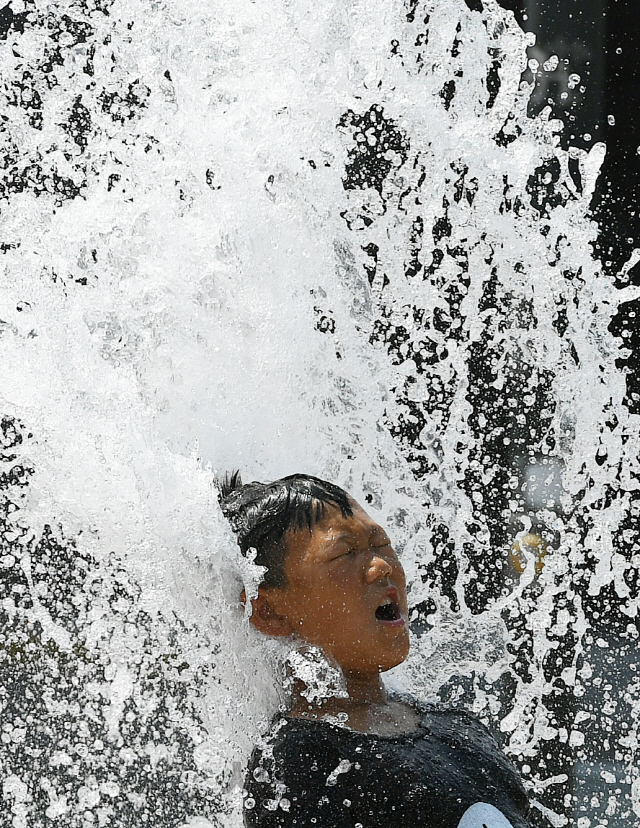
x=377 y=569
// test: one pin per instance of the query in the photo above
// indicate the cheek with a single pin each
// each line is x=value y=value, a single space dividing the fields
x=345 y=577
x=320 y=604
x=342 y=601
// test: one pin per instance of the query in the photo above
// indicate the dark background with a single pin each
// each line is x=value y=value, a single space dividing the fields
x=600 y=41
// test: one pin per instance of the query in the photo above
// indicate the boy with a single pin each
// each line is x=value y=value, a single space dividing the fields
x=366 y=760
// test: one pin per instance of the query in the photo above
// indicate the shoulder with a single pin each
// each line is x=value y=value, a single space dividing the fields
x=458 y=723
x=294 y=772
x=291 y=737
x=465 y=731
x=296 y=754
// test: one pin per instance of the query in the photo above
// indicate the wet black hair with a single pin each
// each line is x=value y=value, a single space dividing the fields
x=261 y=515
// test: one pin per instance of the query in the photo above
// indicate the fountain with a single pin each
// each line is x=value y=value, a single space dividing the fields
x=289 y=237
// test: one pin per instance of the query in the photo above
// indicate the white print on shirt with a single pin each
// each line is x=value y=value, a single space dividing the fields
x=482 y=815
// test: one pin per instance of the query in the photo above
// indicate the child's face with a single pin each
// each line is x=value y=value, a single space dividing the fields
x=346 y=592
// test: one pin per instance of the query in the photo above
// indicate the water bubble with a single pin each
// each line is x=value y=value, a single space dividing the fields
x=611 y=120
x=573 y=80
x=551 y=64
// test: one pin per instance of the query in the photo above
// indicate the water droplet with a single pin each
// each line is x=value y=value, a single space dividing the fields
x=551 y=64
x=574 y=80
x=611 y=120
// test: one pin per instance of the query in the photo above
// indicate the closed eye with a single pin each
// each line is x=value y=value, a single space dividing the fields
x=344 y=553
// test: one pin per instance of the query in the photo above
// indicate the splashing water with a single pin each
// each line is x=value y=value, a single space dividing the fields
x=288 y=237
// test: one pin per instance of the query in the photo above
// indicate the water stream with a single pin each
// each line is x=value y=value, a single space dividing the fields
x=292 y=236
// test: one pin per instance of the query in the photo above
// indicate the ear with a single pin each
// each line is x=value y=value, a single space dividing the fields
x=264 y=616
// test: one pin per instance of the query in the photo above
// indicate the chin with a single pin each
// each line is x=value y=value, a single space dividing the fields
x=396 y=658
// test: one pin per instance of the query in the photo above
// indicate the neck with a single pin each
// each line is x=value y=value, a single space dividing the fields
x=364 y=692
x=367 y=689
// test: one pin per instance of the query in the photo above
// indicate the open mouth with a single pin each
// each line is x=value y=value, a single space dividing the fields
x=388 y=611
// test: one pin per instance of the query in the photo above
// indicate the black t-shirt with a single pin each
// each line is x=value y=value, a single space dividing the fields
x=449 y=773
